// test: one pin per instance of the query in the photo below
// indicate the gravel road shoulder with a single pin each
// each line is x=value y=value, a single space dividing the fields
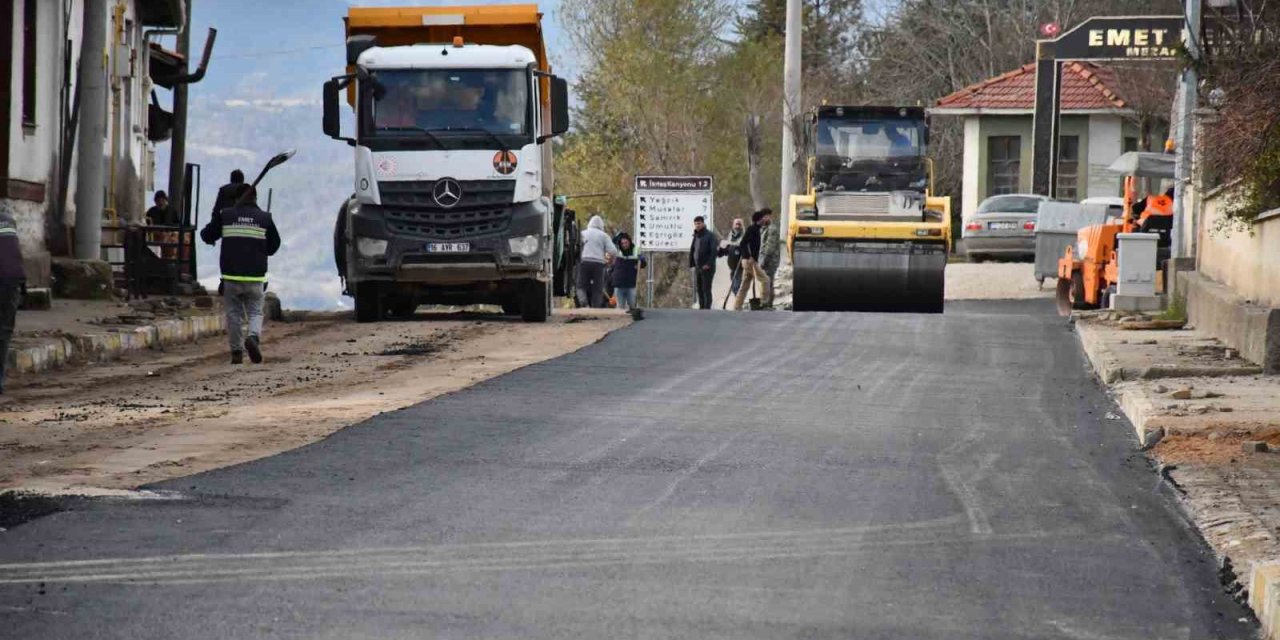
x=160 y=415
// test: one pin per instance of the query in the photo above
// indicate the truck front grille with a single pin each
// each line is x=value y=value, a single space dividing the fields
x=410 y=209
x=475 y=194
x=447 y=224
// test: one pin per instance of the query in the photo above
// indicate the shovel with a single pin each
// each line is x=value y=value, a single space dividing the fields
x=275 y=161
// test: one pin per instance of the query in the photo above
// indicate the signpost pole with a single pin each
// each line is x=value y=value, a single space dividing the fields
x=649 y=274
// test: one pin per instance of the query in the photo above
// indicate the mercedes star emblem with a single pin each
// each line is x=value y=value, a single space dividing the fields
x=447 y=193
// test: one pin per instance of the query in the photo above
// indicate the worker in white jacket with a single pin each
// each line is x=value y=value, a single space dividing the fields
x=596 y=248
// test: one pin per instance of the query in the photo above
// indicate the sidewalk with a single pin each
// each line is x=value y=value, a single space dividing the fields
x=1211 y=422
x=78 y=331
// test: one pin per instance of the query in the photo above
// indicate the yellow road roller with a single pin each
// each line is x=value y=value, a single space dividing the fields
x=868 y=234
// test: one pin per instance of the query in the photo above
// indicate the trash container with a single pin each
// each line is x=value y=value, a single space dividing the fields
x=1056 y=227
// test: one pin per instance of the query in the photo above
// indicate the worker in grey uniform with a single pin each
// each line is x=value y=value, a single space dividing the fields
x=249 y=237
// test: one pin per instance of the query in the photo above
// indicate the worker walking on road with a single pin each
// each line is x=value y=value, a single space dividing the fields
x=248 y=237
x=751 y=270
x=702 y=259
x=13 y=280
x=626 y=270
x=596 y=245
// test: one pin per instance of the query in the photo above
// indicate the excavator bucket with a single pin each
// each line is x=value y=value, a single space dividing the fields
x=841 y=275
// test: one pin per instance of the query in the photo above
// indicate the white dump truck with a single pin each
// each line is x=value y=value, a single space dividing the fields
x=453 y=203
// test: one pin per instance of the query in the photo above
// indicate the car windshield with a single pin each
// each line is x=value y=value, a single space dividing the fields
x=484 y=101
x=1011 y=204
x=880 y=139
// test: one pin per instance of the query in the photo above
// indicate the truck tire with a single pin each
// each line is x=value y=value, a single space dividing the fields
x=535 y=306
x=511 y=306
x=369 y=303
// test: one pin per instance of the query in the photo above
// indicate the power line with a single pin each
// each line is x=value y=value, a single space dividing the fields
x=280 y=52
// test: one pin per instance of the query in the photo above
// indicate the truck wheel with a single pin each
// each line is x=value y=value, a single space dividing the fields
x=535 y=306
x=511 y=306
x=368 y=303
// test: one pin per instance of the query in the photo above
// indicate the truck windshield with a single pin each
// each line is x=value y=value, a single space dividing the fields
x=470 y=102
x=857 y=139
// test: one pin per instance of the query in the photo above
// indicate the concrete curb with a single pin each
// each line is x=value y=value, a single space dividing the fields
x=1264 y=596
x=107 y=346
x=1110 y=371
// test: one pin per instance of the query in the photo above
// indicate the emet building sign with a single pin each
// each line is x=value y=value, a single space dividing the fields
x=1101 y=38
x=1121 y=38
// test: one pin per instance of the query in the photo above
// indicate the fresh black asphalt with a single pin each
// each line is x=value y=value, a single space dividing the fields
x=696 y=475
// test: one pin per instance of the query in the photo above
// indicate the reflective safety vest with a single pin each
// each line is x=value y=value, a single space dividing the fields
x=248 y=236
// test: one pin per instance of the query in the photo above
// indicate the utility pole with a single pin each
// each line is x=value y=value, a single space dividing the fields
x=92 y=81
x=1184 y=127
x=178 y=142
x=791 y=70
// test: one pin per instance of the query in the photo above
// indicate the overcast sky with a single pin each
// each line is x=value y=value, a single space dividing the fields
x=287 y=48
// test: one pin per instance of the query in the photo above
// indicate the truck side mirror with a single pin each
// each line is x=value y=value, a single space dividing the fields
x=559 y=106
x=332 y=123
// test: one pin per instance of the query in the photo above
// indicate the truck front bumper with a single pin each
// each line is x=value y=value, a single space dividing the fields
x=495 y=256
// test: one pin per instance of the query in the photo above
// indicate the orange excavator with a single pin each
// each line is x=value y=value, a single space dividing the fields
x=1089 y=270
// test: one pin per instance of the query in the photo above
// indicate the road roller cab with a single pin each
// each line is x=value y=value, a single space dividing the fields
x=867 y=235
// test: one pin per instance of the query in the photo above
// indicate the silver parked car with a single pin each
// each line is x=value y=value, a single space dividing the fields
x=1004 y=226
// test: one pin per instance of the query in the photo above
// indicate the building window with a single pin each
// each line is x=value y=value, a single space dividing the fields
x=1004 y=164
x=1130 y=144
x=1068 y=168
x=29 y=63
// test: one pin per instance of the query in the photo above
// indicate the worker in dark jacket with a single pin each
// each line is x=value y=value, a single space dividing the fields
x=230 y=192
x=248 y=236
x=626 y=270
x=750 y=263
x=702 y=259
x=12 y=281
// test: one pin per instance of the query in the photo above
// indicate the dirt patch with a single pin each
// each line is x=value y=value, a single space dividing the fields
x=1216 y=448
x=165 y=414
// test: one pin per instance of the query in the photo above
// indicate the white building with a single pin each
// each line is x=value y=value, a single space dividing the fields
x=38 y=114
x=1097 y=125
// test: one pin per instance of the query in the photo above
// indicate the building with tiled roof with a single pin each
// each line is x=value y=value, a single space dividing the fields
x=997 y=112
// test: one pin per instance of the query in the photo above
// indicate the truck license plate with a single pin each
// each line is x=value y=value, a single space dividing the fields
x=448 y=247
x=1002 y=226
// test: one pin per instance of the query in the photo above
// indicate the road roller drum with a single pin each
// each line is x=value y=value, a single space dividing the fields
x=835 y=275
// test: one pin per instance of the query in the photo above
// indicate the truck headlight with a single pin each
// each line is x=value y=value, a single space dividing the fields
x=371 y=247
x=523 y=245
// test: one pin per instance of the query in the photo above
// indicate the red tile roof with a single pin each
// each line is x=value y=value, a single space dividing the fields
x=1085 y=86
